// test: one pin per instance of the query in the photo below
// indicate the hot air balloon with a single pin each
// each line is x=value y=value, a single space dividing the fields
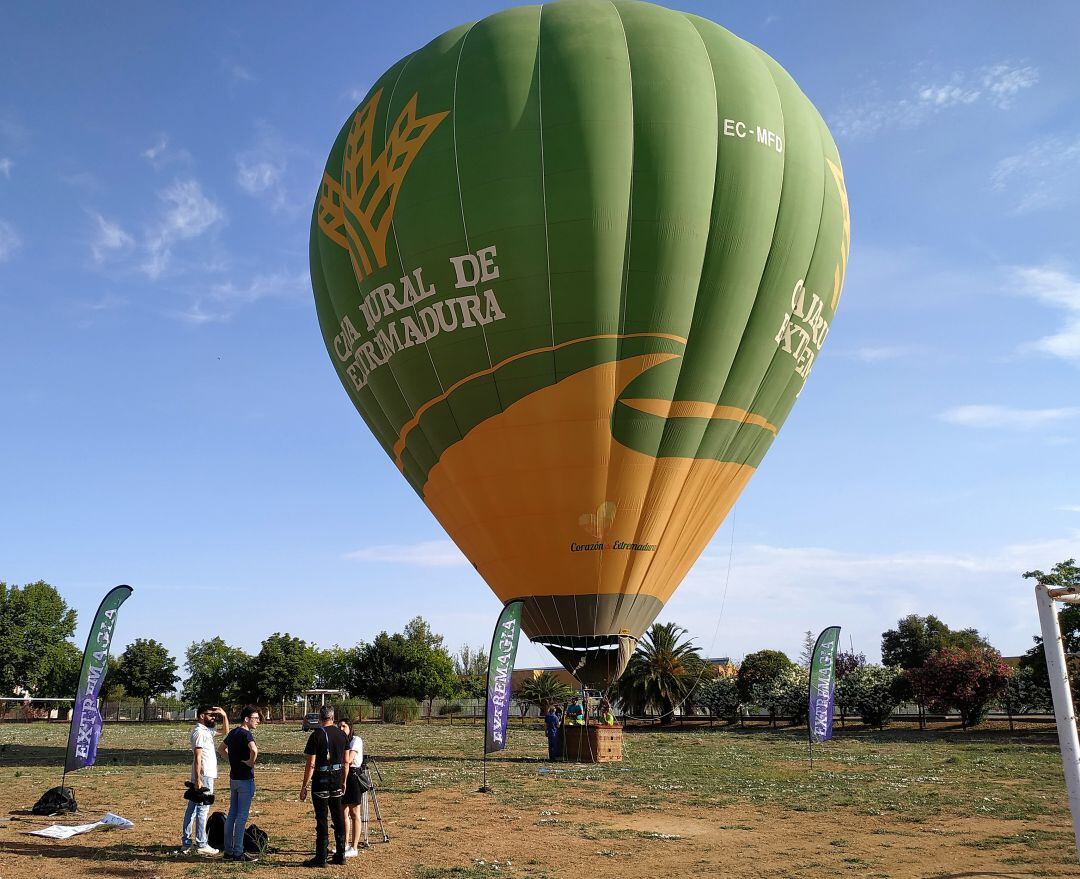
x=573 y=264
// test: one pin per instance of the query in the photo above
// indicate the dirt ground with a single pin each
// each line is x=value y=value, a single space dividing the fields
x=538 y=823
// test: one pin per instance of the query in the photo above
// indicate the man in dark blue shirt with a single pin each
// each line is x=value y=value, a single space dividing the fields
x=552 y=722
x=239 y=746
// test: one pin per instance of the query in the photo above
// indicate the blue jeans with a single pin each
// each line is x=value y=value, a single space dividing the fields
x=199 y=813
x=241 y=793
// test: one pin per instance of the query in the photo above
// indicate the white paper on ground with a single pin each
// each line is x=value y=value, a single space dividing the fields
x=66 y=831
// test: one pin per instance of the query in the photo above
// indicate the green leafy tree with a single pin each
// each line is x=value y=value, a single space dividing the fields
x=332 y=668
x=434 y=676
x=62 y=671
x=471 y=666
x=1022 y=696
x=114 y=691
x=1064 y=574
x=794 y=693
x=662 y=672
x=216 y=673
x=845 y=664
x=872 y=692
x=967 y=679
x=784 y=694
x=721 y=696
x=413 y=665
x=543 y=691
x=806 y=655
x=146 y=670
x=759 y=670
x=283 y=668
x=910 y=644
x=33 y=620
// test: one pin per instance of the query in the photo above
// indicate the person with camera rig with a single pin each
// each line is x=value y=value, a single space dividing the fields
x=324 y=775
x=203 y=774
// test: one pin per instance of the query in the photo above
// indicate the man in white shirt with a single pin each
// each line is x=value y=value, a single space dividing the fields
x=203 y=773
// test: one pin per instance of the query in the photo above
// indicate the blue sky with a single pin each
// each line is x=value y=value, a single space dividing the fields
x=171 y=419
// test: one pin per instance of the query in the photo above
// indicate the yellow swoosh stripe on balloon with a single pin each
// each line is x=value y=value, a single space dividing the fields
x=406 y=429
x=698 y=409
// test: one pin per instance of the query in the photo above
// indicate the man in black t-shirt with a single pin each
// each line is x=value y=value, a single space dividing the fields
x=324 y=773
x=239 y=746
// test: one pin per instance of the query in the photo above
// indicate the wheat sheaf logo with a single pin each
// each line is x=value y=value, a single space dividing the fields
x=598 y=523
x=356 y=213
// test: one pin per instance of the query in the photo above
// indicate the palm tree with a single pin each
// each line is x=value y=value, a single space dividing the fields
x=543 y=691
x=661 y=673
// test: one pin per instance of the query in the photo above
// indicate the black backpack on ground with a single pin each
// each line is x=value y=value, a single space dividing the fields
x=255 y=838
x=55 y=801
x=256 y=841
x=215 y=830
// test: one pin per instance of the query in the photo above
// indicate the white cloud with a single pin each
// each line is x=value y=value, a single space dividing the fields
x=109 y=238
x=187 y=214
x=151 y=154
x=260 y=170
x=1006 y=418
x=428 y=554
x=1001 y=82
x=238 y=72
x=222 y=300
x=776 y=593
x=256 y=174
x=5 y=167
x=108 y=302
x=1043 y=175
x=82 y=180
x=161 y=154
x=878 y=354
x=1070 y=508
x=10 y=241
x=996 y=86
x=1058 y=289
x=14 y=133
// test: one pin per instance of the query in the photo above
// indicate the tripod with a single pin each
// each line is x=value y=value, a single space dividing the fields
x=374 y=798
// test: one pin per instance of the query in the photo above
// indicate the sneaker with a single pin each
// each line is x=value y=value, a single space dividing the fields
x=338 y=859
x=314 y=862
x=244 y=858
x=207 y=850
x=182 y=852
x=351 y=852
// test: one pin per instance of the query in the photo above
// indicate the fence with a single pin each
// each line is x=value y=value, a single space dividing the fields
x=450 y=711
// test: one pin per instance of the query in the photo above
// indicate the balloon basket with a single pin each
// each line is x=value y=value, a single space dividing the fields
x=593 y=744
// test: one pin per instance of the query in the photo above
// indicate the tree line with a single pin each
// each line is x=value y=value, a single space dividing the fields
x=924 y=662
x=37 y=657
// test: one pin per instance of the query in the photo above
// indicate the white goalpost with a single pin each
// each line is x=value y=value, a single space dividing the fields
x=1064 y=713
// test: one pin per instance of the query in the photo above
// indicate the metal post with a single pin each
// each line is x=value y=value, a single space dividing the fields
x=1064 y=713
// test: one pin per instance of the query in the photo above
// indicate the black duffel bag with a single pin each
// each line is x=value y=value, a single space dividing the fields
x=55 y=801
x=256 y=842
x=215 y=830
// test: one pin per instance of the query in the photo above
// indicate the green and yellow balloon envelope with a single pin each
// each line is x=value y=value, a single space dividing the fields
x=573 y=264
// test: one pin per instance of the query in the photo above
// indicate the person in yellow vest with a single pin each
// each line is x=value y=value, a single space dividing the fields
x=604 y=714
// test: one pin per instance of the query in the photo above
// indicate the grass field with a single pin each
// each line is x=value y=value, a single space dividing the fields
x=694 y=802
